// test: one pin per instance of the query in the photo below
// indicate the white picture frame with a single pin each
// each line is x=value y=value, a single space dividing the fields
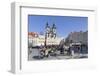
x=19 y=62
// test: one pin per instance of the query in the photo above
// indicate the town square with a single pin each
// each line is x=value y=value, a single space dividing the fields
x=53 y=41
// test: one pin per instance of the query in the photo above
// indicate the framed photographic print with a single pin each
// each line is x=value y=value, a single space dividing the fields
x=51 y=38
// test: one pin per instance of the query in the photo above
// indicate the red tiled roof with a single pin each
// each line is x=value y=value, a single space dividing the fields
x=33 y=34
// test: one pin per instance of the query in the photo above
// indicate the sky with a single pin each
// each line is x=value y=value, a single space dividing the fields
x=64 y=24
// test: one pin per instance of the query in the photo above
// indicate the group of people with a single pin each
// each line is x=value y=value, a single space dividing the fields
x=56 y=50
x=52 y=51
x=47 y=51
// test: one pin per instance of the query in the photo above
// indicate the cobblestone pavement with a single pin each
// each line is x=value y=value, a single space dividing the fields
x=36 y=53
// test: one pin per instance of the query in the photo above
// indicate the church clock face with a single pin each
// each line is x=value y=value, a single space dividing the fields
x=64 y=37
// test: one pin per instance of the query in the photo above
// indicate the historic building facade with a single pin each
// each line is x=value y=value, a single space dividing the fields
x=50 y=37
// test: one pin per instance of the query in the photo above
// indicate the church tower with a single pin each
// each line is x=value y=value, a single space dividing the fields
x=54 y=32
x=50 y=31
x=47 y=30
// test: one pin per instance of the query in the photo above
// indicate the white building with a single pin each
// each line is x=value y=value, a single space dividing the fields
x=40 y=40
